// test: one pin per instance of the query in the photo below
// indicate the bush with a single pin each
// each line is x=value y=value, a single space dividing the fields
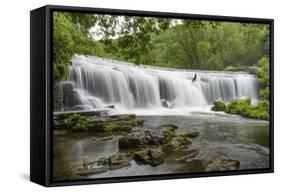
x=218 y=106
x=237 y=106
x=245 y=109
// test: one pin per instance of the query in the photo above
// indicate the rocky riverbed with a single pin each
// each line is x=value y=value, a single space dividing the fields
x=127 y=145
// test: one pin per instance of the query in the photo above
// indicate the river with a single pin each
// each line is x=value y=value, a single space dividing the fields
x=221 y=136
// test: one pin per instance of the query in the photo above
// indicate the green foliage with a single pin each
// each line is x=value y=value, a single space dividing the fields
x=188 y=44
x=259 y=111
x=59 y=72
x=238 y=106
x=263 y=78
x=70 y=37
x=244 y=108
x=134 y=42
x=219 y=106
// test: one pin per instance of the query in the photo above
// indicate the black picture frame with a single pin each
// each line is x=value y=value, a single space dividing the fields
x=41 y=94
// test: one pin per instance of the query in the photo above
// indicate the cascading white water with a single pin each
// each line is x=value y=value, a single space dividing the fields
x=102 y=82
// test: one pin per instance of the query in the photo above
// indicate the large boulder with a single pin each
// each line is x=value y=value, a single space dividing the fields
x=152 y=156
x=142 y=137
x=134 y=140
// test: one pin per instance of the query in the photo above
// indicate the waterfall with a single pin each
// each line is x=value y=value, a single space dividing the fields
x=100 y=82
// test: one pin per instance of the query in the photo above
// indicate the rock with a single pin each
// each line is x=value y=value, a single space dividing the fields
x=157 y=156
x=223 y=165
x=115 y=161
x=81 y=107
x=119 y=160
x=91 y=168
x=124 y=117
x=169 y=148
x=106 y=138
x=165 y=103
x=218 y=106
x=134 y=140
x=183 y=154
x=109 y=106
x=196 y=165
x=152 y=156
x=192 y=134
x=70 y=96
x=92 y=113
x=169 y=126
x=140 y=138
x=103 y=124
x=182 y=139
x=159 y=136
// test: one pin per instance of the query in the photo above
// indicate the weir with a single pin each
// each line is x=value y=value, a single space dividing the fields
x=100 y=82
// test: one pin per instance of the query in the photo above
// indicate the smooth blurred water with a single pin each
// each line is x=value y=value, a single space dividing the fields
x=102 y=82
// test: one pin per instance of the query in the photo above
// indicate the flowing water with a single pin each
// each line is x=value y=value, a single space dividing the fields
x=100 y=82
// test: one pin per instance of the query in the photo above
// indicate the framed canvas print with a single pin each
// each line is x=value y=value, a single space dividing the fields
x=122 y=95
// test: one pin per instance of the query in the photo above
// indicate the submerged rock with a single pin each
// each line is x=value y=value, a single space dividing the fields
x=119 y=160
x=192 y=134
x=223 y=165
x=196 y=164
x=152 y=156
x=116 y=161
x=182 y=154
x=169 y=126
x=91 y=168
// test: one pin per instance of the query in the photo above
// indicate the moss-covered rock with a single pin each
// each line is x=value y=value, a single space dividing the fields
x=133 y=140
x=77 y=122
x=152 y=156
x=183 y=140
x=119 y=160
x=169 y=148
x=72 y=122
x=218 y=106
x=223 y=165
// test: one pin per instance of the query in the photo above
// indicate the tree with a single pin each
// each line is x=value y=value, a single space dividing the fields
x=70 y=37
x=263 y=78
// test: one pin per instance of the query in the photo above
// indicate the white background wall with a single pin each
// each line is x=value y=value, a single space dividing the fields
x=14 y=96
